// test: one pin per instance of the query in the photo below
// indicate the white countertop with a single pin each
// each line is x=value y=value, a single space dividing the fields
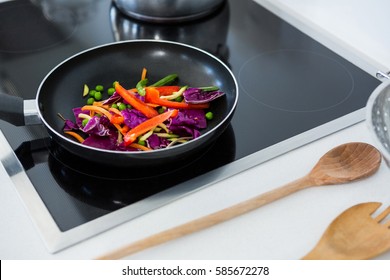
x=285 y=229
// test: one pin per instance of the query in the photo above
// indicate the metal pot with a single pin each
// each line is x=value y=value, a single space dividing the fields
x=209 y=34
x=167 y=10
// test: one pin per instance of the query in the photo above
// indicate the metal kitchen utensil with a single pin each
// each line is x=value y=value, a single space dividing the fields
x=345 y=163
x=167 y=10
x=378 y=116
x=354 y=235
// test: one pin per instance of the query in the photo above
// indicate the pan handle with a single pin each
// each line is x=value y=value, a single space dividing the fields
x=19 y=112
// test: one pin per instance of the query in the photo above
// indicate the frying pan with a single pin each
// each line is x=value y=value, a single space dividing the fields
x=61 y=91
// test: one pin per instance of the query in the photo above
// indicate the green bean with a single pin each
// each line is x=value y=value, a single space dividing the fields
x=166 y=80
x=210 y=88
x=141 y=87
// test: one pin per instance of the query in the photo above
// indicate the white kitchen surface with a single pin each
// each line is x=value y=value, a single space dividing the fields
x=285 y=229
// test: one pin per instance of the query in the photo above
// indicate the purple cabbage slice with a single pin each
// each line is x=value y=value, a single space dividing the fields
x=156 y=142
x=106 y=142
x=97 y=126
x=133 y=117
x=198 y=95
x=114 y=98
x=188 y=123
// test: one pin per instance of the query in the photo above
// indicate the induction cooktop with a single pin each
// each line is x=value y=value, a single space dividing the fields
x=292 y=90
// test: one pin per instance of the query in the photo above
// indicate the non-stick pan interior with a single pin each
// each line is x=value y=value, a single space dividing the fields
x=62 y=89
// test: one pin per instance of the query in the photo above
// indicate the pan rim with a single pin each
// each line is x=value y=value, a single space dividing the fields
x=157 y=151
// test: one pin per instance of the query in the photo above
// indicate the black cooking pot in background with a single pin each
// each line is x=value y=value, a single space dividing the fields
x=61 y=91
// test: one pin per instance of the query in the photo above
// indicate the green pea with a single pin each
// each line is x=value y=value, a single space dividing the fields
x=209 y=115
x=110 y=91
x=92 y=93
x=129 y=106
x=98 y=95
x=122 y=107
x=114 y=106
x=84 y=122
x=161 y=110
x=99 y=88
x=90 y=100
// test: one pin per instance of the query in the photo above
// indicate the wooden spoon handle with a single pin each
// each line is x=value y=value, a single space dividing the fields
x=209 y=220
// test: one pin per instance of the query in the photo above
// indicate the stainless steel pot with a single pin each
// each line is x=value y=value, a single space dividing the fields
x=167 y=10
x=209 y=33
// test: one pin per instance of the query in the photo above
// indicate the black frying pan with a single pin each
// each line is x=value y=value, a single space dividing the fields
x=61 y=91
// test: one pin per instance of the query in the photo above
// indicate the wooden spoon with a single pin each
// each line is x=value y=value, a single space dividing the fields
x=354 y=235
x=342 y=164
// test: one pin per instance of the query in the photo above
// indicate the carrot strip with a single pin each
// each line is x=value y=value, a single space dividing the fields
x=75 y=135
x=118 y=127
x=148 y=111
x=143 y=75
x=115 y=110
x=125 y=129
x=147 y=125
x=98 y=109
x=100 y=104
x=140 y=147
x=118 y=119
x=153 y=96
x=121 y=129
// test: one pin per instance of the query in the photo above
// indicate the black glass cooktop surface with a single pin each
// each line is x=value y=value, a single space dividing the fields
x=288 y=84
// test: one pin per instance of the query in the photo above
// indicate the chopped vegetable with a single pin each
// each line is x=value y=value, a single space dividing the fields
x=209 y=115
x=145 y=109
x=200 y=96
x=142 y=118
x=153 y=96
x=143 y=74
x=167 y=90
x=85 y=90
x=110 y=91
x=166 y=80
x=99 y=88
x=90 y=100
x=175 y=95
x=140 y=147
x=98 y=95
x=141 y=86
x=146 y=126
x=75 y=135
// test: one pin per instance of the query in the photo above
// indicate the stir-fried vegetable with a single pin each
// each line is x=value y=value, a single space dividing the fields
x=144 y=118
